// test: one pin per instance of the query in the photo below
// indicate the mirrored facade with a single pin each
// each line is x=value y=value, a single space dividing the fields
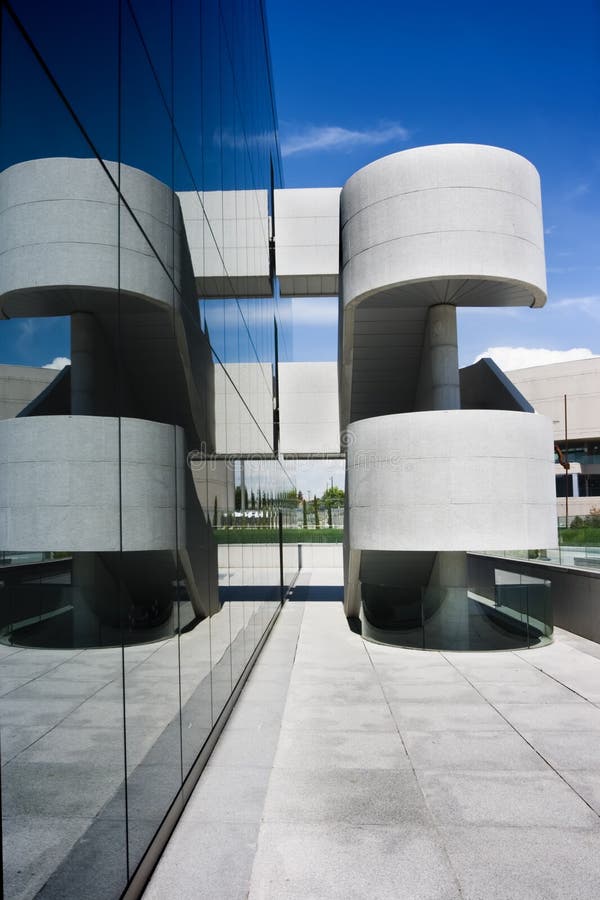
x=140 y=336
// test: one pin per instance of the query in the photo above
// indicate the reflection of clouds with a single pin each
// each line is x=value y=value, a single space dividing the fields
x=59 y=362
x=508 y=358
x=27 y=331
x=322 y=311
x=334 y=137
x=588 y=305
x=235 y=140
x=578 y=190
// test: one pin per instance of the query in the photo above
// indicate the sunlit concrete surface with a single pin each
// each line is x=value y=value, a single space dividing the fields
x=352 y=770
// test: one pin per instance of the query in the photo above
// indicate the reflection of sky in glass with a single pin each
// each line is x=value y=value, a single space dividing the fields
x=34 y=342
x=243 y=330
x=224 y=138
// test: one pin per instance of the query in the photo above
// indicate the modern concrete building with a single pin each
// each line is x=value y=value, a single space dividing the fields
x=154 y=230
x=568 y=394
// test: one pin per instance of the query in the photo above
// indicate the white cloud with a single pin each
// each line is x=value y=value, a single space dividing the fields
x=334 y=137
x=589 y=305
x=59 y=362
x=508 y=358
x=578 y=190
x=318 y=313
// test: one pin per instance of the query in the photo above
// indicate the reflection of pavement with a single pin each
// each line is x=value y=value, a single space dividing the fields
x=350 y=769
x=63 y=748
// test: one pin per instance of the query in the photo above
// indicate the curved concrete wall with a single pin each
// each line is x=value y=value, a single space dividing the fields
x=59 y=484
x=453 y=211
x=61 y=225
x=451 y=480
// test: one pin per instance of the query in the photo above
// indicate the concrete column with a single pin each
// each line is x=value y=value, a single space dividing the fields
x=443 y=357
x=439 y=383
x=83 y=329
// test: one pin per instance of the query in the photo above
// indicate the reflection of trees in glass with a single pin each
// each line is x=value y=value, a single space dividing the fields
x=304 y=515
x=215 y=513
x=316 y=511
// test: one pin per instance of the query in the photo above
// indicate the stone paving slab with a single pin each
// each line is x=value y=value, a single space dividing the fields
x=404 y=774
x=340 y=862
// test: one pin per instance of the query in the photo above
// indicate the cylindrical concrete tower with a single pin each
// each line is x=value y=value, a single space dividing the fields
x=424 y=232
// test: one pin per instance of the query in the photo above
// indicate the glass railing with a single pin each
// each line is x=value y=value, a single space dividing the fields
x=517 y=613
x=579 y=557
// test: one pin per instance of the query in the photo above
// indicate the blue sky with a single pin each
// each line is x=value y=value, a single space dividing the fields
x=355 y=81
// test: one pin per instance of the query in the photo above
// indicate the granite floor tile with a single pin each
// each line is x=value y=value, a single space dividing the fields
x=302 y=749
x=351 y=796
x=569 y=717
x=334 y=861
x=471 y=751
x=439 y=716
x=340 y=717
x=567 y=749
x=504 y=863
x=514 y=799
x=199 y=862
x=587 y=785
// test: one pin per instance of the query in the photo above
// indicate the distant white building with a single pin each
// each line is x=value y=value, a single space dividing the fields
x=571 y=388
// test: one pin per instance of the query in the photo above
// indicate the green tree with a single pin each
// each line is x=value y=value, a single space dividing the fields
x=238 y=498
x=593 y=518
x=304 y=514
x=333 y=495
x=316 y=512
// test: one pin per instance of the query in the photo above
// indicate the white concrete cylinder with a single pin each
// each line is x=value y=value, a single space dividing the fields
x=449 y=214
x=65 y=484
x=451 y=480
x=67 y=242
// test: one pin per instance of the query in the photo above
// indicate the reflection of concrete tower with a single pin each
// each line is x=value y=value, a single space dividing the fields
x=423 y=232
x=99 y=471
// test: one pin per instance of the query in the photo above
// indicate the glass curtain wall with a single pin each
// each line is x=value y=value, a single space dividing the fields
x=139 y=337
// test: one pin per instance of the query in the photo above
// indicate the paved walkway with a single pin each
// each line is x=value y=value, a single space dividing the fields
x=352 y=770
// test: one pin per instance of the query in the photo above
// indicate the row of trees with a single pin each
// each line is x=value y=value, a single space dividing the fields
x=263 y=506
x=333 y=498
x=592 y=520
